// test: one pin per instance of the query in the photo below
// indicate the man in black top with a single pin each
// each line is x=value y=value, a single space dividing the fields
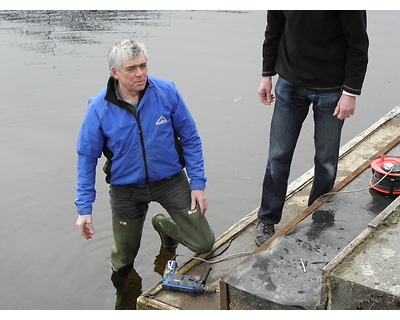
x=321 y=58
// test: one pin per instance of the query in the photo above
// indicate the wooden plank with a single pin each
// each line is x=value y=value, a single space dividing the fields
x=224 y=296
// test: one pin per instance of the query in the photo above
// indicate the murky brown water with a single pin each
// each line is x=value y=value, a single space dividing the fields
x=53 y=61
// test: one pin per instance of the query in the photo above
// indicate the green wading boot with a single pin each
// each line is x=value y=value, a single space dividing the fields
x=186 y=227
x=118 y=280
x=127 y=237
x=128 y=288
x=166 y=241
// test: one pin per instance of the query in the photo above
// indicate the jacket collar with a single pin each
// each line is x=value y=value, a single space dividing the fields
x=112 y=97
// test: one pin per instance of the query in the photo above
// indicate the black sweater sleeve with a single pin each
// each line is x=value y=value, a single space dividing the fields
x=272 y=37
x=355 y=29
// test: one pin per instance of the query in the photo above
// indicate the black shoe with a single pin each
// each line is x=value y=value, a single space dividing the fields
x=264 y=232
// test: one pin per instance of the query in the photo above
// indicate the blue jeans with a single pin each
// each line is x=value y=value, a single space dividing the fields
x=291 y=109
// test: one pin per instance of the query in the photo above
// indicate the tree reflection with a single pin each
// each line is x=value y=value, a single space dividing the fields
x=45 y=27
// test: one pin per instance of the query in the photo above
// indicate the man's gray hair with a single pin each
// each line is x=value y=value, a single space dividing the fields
x=126 y=48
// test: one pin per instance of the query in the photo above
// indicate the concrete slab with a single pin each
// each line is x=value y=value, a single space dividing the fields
x=288 y=275
x=366 y=275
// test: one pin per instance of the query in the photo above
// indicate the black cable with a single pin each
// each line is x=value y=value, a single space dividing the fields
x=389 y=183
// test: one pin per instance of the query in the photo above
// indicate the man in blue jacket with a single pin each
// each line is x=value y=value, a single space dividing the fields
x=144 y=129
x=321 y=58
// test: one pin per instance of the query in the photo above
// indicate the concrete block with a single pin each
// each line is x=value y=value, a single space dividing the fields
x=365 y=276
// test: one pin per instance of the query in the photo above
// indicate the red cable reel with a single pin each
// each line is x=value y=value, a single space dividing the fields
x=386 y=174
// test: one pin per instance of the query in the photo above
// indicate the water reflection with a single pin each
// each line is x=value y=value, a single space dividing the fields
x=378 y=200
x=44 y=28
x=133 y=283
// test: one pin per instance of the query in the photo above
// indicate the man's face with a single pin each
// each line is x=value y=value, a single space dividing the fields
x=133 y=74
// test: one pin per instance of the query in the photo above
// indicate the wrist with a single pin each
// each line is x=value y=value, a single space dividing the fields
x=349 y=94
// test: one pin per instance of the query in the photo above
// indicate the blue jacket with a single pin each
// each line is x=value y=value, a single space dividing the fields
x=145 y=145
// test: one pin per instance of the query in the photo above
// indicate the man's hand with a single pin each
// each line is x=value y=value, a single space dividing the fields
x=199 y=196
x=264 y=92
x=345 y=107
x=85 y=226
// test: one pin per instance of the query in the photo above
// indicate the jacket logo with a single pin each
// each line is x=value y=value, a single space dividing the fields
x=161 y=120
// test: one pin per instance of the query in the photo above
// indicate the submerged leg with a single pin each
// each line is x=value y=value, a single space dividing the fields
x=127 y=237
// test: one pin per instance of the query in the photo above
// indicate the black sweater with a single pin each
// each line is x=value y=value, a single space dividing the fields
x=320 y=50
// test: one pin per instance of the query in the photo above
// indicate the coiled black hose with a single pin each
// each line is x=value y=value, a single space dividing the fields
x=390 y=184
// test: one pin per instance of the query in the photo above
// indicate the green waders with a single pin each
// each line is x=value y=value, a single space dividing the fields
x=127 y=237
x=190 y=229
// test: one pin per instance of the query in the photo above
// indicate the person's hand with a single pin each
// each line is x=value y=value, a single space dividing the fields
x=264 y=92
x=345 y=107
x=85 y=226
x=199 y=196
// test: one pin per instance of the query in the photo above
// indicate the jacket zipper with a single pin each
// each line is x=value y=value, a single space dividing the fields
x=112 y=98
x=140 y=132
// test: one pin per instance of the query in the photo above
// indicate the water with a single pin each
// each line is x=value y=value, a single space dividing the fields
x=53 y=61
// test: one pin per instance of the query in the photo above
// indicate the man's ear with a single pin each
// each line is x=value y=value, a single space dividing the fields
x=114 y=72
